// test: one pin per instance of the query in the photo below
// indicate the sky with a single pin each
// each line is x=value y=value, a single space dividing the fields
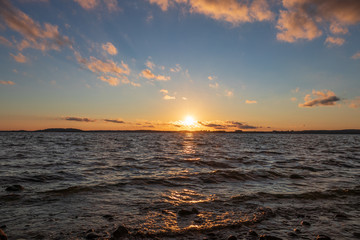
x=258 y=65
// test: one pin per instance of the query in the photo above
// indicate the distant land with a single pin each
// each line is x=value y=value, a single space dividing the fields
x=344 y=131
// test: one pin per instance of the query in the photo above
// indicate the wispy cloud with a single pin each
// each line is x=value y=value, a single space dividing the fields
x=164 y=91
x=151 y=65
x=111 y=5
x=229 y=93
x=320 y=98
x=79 y=119
x=7 y=82
x=250 y=101
x=114 y=121
x=356 y=56
x=109 y=48
x=109 y=71
x=334 y=41
x=146 y=73
x=177 y=68
x=214 y=85
x=4 y=41
x=34 y=35
x=355 y=103
x=19 y=58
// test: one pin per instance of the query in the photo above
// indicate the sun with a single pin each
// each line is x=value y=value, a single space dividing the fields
x=189 y=121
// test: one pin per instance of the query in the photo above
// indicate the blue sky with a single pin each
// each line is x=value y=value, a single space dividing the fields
x=147 y=64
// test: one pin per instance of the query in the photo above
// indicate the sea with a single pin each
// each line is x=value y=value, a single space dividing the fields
x=179 y=185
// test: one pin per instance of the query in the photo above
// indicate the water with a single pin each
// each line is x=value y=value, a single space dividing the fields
x=74 y=182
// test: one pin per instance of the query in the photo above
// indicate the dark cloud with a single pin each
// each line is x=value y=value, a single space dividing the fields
x=79 y=119
x=113 y=121
x=323 y=98
x=227 y=125
x=240 y=125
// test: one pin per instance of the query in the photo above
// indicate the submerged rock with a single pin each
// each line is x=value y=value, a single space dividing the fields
x=253 y=233
x=92 y=235
x=185 y=212
x=121 y=231
x=269 y=237
x=304 y=223
x=322 y=237
x=3 y=235
x=108 y=217
x=14 y=188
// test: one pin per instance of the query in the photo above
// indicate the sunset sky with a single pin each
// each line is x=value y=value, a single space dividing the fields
x=180 y=64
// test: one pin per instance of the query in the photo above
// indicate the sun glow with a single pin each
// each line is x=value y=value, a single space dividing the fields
x=189 y=121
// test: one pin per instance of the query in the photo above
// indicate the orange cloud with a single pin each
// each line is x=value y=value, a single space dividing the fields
x=19 y=58
x=111 y=72
x=7 y=82
x=150 y=64
x=250 y=101
x=356 y=56
x=167 y=97
x=334 y=41
x=35 y=36
x=355 y=103
x=146 y=73
x=109 y=48
x=323 y=98
x=5 y=41
x=229 y=93
x=164 y=91
x=231 y=11
x=303 y=18
x=88 y=4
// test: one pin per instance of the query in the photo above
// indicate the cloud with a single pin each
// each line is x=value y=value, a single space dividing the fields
x=46 y=37
x=322 y=98
x=177 y=68
x=356 y=56
x=167 y=97
x=302 y=19
x=355 y=103
x=109 y=48
x=214 y=85
x=88 y=4
x=114 y=120
x=4 y=41
x=232 y=11
x=229 y=93
x=211 y=78
x=19 y=58
x=334 y=41
x=293 y=99
x=111 y=72
x=184 y=98
x=79 y=119
x=112 y=5
x=250 y=101
x=150 y=64
x=227 y=125
x=7 y=82
x=163 y=4
x=146 y=73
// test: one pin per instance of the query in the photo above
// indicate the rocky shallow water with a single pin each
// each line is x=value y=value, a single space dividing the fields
x=179 y=186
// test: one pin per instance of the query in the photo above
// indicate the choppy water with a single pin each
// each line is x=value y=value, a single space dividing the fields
x=74 y=182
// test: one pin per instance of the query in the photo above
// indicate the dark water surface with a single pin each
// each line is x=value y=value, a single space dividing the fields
x=150 y=182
